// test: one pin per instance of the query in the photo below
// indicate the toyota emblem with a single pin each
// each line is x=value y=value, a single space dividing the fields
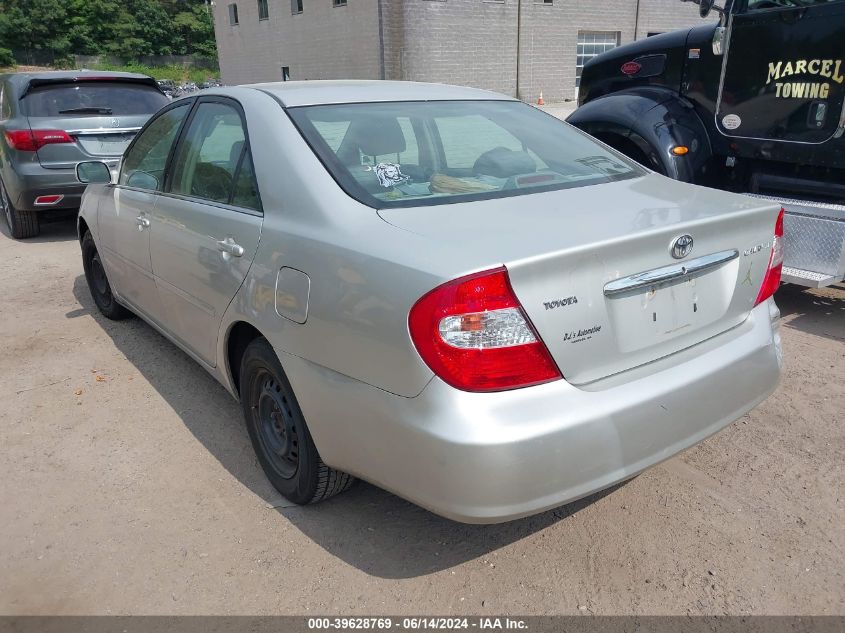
x=681 y=246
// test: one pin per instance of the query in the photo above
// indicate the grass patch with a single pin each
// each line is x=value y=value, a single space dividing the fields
x=179 y=74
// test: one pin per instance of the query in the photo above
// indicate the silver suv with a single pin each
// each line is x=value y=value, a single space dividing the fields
x=51 y=121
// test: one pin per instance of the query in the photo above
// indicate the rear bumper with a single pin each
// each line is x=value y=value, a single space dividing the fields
x=485 y=458
x=814 y=245
x=33 y=181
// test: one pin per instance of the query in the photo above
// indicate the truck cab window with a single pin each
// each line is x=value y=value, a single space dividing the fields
x=761 y=5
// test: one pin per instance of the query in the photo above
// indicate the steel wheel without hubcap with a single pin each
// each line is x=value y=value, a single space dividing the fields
x=276 y=428
x=279 y=433
x=99 y=279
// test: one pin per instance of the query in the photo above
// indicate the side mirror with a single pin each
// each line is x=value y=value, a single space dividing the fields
x=705 y=7
x=93 y=171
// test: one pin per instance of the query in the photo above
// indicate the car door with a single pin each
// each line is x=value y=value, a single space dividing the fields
x=124 y=216
x=206 y=224
x=784 y=71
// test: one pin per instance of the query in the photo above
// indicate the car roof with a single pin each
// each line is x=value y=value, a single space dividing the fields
x=302 y=93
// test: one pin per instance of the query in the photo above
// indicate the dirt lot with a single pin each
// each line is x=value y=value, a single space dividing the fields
x=129 y=486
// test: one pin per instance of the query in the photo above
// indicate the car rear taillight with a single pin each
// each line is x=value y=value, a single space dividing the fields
x=33 y=140
x=771 y=280
x=473 y=333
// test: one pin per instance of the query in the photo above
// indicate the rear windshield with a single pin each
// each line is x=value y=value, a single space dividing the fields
x=404 y=154
x=101 y=98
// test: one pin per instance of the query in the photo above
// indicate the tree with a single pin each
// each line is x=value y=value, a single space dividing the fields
x=32 y=24
x=127 y=28
x=196 y=28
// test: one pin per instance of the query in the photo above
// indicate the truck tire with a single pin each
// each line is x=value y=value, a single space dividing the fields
x=98 y=282
x=634 y=152
x=22 y=224
x=278 y=431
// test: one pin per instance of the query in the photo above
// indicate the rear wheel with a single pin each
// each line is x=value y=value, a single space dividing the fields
x=98 y=282
x=22 y=224
x=278 y=431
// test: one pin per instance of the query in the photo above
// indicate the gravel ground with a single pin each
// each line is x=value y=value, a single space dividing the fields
x=129 y=486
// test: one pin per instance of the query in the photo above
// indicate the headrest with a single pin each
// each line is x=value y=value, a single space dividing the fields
x=235 y=154
x=377 y=135
x=502 y=162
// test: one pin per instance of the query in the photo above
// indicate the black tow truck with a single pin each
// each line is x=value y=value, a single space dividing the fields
x=753 y=104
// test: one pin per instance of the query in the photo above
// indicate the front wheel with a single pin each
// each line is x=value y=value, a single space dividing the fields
x=98 y=283
x=22 y=224
x=650 y=159
x=278 y=431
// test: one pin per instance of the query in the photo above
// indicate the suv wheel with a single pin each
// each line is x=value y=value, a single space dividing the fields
x=22 y=224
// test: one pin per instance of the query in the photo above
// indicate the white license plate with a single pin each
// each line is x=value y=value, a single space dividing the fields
x=114 y=146
x=669 y=311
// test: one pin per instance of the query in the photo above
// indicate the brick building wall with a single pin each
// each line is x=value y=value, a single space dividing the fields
x=322 y=42
x=466 y=42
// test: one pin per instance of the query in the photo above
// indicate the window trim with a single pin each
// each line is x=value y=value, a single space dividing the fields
x=168 y=175
x=190 y=102
x=740 y=7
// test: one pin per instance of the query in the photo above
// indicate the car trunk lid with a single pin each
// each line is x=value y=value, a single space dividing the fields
x=100 y=116
x=98 y=138
x=569 y=254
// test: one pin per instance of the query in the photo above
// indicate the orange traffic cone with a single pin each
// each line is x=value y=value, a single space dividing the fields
x=540 y=100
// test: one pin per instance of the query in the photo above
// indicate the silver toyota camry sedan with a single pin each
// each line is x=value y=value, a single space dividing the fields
x=439 y=290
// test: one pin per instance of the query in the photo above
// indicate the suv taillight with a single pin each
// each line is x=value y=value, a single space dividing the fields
x=473 y=333
x=33 y=140
x=771 y=280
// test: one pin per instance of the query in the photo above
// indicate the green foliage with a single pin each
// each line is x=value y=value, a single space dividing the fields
x=6 y=58
x=128 y=29
x=179 y=74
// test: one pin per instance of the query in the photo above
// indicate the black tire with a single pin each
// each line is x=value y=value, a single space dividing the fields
x=98 y=282
x=278 y=431
x=22 y=224
x=633 y=151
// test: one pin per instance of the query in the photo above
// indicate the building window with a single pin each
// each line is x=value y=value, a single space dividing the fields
x=263 y=10
x=295 y=6
x=233 y=14
x=339 y=3
x=591 y=44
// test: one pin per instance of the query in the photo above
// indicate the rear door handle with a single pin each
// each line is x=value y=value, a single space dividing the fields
x=229 y=246
x=143 y=223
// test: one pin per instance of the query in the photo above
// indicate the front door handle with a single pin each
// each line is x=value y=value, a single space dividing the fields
x=229 y=246
x=143 y=223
